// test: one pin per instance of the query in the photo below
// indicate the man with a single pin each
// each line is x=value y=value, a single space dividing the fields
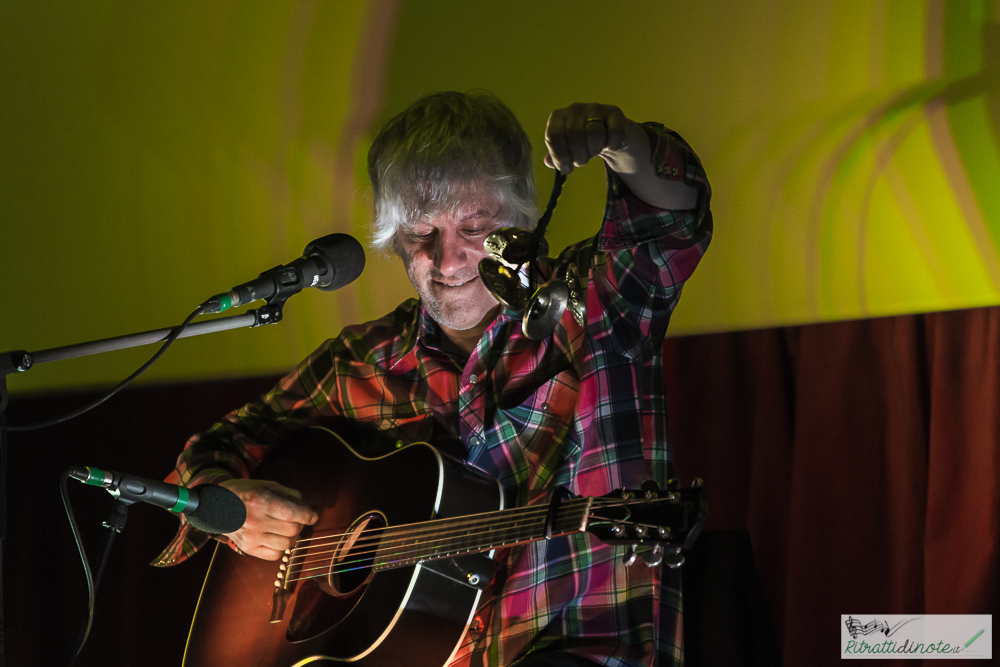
x=582 y=408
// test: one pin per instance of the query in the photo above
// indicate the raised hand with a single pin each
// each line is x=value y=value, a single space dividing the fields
x=577 y=133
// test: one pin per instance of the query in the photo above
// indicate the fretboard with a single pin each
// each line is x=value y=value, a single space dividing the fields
x=443 y=538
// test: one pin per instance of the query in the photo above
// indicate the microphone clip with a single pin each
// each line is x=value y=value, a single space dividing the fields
x=287 y=283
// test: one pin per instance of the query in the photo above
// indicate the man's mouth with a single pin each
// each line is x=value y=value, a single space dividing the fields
x=454 y=283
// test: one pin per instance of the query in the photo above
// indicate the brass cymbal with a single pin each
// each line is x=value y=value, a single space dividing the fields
x=503 y=283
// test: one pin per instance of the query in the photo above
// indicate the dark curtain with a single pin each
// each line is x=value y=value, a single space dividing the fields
x=862 y=458
x=143 y=613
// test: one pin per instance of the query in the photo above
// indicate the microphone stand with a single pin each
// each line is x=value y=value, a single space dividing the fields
x=20 y=361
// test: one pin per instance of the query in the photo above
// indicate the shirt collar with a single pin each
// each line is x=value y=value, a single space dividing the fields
x=423 y=332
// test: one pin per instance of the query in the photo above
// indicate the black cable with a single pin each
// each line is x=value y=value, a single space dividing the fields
x=85 y=633
x=101 y=399
x=543 y=221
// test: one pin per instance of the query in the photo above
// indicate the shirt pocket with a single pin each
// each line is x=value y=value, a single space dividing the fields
x=540 y=435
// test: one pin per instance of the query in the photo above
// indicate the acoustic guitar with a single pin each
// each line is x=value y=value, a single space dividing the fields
x=393 y=570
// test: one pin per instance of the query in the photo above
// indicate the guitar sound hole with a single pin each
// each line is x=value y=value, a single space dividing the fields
x=351 y=563
x=322 y=601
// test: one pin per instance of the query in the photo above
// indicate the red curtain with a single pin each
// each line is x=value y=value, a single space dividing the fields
x=861 y=456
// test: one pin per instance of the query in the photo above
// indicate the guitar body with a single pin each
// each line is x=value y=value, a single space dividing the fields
x=412 y=615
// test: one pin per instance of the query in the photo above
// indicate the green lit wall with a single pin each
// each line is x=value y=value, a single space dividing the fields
x=156 y=153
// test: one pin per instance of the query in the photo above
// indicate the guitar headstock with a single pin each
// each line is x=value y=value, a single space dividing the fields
x=654 y=523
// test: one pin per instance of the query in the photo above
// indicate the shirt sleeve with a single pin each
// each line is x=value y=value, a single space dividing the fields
x=645 y=254
x=235 y=446
x=639 y=262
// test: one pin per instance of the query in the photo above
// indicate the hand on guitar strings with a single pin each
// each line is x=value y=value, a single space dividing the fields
x=275 y=516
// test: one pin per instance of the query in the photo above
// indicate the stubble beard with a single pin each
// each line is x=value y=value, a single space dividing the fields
x=459 y=311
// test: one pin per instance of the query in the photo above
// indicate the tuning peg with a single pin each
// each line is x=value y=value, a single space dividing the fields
x=630 y=555
x=545 y=309
x=673 y=484
x=653 y=557
x=673 y=558
x=698 y=483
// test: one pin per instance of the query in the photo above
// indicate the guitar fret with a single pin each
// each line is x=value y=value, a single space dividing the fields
x=443 y=538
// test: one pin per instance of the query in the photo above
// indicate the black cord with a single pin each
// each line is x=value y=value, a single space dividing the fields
x=543 y=221
x=82 y=639
x=101 y=399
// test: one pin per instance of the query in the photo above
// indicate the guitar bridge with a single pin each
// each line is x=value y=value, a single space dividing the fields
x=279 y=601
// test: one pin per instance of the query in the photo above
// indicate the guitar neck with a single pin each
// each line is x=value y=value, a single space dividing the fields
x=400 y=546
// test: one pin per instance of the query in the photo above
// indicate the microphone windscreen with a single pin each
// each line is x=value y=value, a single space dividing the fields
x=219 y=510
x=345 y=254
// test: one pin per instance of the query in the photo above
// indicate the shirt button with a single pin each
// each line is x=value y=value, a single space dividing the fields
x=545 y=407
x=474 y=440
x=473 y=379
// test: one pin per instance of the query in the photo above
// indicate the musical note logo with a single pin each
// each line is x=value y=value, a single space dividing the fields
x=855 y=628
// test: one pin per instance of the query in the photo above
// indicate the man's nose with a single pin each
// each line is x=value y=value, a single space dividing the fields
x=449 y=254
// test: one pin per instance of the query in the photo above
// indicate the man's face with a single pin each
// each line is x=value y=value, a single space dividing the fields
x=441 y=254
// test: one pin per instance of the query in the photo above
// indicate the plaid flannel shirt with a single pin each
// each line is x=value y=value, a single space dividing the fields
x=584 y=408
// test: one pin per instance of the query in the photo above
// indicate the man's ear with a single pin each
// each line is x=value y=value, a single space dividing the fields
x=397 y=248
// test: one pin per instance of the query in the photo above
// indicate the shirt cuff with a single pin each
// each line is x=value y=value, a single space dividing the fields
x=629 y=220
x=189 y=539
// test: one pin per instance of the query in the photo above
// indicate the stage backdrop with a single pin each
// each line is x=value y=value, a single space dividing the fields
x=154 y=154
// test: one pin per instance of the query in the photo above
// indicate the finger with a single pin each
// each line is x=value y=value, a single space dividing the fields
x=276 y=542
x=595 y=134
x=245 y=545
x=576 y=135
x=284 y=529
x=289 y=511
x=261 y=540
x=616 y=126
x=262 y=552
x=555 y=140
x=271 y=499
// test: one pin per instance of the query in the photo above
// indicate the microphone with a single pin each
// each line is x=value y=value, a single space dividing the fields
x=213 y=509
x=329 y=263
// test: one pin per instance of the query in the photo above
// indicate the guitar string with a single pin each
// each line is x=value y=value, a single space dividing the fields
x=453 y=543
x=450 y=524
x=398 y=560
x=388 y=537
x=377 y=537
x=341 y=569
x=432 y=525
x=396 y=534
x=450 y=543
x=448 y=546
x=442 y=547
x=299 y=573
